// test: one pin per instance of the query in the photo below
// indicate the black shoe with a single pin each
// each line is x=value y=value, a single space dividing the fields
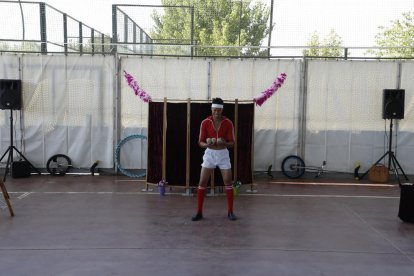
x=232 y=216
x=197 y=217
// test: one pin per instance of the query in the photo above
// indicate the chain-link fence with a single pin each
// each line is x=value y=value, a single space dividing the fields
x=40 y=28
x=214 y=28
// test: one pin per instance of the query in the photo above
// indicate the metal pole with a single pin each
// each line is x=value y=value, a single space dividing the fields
x=269 y=43
x=80 y=38
x=43 y=37
x=114 y=29
x=65 y=33
x=93 y=40
x=192 y=31
x=390 y=146
x=103 y=43
x=21 y=12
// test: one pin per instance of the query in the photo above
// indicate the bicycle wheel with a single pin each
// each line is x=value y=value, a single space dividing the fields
x=58 y=164
x=293 y=166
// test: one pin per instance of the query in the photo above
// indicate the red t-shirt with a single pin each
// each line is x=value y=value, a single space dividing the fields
x=225 y=130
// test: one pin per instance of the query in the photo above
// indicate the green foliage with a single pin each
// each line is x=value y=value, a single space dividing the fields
x=20 y=46
x=399 y=34
x=88 y=46
x=216 y=23
x=331 y=46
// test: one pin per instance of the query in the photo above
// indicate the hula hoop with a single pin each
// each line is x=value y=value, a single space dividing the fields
x=117 y=155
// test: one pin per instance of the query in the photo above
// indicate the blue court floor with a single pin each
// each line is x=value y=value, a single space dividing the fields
x=106 y=225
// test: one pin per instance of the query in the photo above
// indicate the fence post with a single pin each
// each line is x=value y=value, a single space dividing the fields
x=43 y=36
x=93 y=40
x=114 y=29
x=192 y=31
x=80 y=39
x=65 y=33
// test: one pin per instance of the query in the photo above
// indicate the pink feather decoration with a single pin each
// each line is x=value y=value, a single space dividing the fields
x=138 y=90
x=260 y=99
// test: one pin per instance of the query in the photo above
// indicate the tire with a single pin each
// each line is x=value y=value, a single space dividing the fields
x=293 y=166
x=58 y=165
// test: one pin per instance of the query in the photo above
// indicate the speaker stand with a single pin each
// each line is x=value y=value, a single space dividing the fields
x=392 y=160
x=10 y=150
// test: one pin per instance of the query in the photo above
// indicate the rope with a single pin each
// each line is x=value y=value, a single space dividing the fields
x=117 y=155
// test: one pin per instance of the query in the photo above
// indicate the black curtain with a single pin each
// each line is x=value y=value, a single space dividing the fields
x=176 y=142
x=154 y=163
x=245 y=143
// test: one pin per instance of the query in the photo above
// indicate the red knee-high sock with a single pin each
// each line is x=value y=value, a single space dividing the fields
x=229 y=193
x=201 y=193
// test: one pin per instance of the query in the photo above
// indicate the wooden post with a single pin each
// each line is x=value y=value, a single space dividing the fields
x=164 y=141
x=6 y=197
x=212 y=183
x=236 y=123
x=251 y=190
x=146 y=175
x=188 y=142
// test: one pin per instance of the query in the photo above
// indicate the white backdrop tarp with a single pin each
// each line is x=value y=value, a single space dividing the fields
x=67 y=108
x=344 y=123
x=326 y=110
x=201 y=79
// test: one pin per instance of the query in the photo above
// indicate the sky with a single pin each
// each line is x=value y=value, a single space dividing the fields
x=355 y=21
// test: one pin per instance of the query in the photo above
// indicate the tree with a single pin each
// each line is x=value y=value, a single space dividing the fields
x=399 y=34
x=216 y=23
x=88 y=46
x=20 y=47
x=329 y=47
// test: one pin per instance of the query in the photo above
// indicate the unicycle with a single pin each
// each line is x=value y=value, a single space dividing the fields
x=58 y=165
x=293 y=166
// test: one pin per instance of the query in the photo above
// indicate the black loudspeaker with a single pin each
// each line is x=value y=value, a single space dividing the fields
x=20 y=169
x=406 y=210
x=10 y=94
x=393 y=104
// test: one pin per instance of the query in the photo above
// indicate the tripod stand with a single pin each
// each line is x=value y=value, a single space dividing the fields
x=9 y=162
x=392 y=160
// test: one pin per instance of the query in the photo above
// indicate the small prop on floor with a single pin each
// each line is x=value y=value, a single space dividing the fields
x=236 y=187
x=379 y=173
x=161 y=187
x=268 y=172
x=356 y=170
x=93 y=167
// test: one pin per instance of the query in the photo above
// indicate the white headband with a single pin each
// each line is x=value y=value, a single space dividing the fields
x=216 y=106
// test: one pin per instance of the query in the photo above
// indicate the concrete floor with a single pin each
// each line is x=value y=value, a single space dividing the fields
x=105 y=225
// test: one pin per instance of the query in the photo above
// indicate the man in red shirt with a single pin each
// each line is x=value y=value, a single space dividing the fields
x=216 y=135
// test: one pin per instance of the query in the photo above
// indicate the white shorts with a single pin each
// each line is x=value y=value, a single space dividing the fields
x=216 y=158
